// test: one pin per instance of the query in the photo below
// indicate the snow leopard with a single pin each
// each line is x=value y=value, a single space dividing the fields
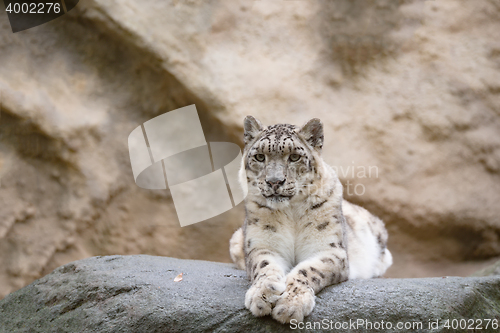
x=299 y=234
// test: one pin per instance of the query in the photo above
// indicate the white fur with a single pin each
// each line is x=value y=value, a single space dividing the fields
x=293 y=246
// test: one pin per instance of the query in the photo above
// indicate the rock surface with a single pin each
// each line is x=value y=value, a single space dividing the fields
x=409 y=92
x=138 y=294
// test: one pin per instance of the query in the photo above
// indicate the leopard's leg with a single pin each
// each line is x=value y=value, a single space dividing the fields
x=326 y=263
x=267 y=272
x=236 y=248
x=265 y=264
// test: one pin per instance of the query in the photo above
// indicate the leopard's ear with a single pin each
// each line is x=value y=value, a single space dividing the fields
x=253 y=127
x=312 y=132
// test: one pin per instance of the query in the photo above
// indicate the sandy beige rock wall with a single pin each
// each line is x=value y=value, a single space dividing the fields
x=70 y=96
x=409 y=92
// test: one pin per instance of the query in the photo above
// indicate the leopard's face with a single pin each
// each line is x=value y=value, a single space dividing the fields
x=279 y=163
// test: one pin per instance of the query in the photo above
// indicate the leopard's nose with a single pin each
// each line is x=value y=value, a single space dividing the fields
x=275 y=182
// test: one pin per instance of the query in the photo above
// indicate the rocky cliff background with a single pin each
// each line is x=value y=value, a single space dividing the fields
x=409 y=92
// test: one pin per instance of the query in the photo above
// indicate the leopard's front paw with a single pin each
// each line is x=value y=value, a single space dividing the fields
x=296 y=302
x=263 y=294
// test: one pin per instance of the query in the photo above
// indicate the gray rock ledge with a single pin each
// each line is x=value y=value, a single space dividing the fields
x=138 y=294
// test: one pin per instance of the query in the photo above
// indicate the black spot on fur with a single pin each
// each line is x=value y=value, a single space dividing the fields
x=262 y=206
x=249 y=242
x=314 y=279
x=317 y=272
x=255 y=276
x=327 y=261
x=254 y=267
x=322 y=226
x=341 y=244
x=264 y=264
x=295 y=289
x=380 y=241
x=316 y=206
x=253 y=221
x=307 y=224
x=259 y=307
x=303 y=272
x=249 y=263
x=333 y=245
x=270 y=227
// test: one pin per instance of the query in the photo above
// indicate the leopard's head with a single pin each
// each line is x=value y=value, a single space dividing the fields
x=280 y=161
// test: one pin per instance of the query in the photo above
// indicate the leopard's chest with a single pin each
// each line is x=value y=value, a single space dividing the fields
x=295 y=238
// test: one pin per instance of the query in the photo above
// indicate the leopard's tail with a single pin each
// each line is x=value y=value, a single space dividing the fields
x=236 y=249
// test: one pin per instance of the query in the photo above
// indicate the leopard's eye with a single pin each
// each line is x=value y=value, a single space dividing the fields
x=260 y=157
x=294 y=157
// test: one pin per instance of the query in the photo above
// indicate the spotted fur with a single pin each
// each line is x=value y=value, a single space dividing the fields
x=299 y=235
